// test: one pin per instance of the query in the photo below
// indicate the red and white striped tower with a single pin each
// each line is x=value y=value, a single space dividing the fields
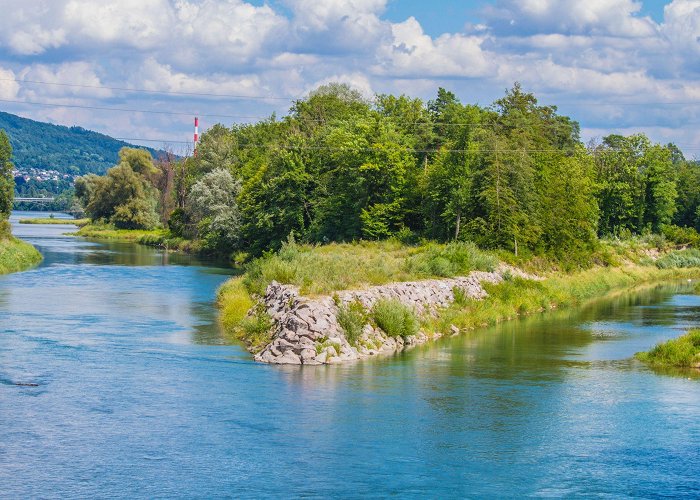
x=196 y=132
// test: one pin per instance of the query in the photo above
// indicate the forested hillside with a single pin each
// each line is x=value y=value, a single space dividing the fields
x=512 y=176
x=69 y=150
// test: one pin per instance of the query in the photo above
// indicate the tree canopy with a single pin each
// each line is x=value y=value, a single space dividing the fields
x=341 y=167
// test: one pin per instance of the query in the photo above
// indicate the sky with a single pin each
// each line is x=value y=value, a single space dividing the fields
x=616 y=66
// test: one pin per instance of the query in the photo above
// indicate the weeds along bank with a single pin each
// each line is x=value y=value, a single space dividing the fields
x=16 y=255
x=683 y=352
x=343 y=302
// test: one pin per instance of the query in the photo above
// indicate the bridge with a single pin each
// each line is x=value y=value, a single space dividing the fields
x=34 y=199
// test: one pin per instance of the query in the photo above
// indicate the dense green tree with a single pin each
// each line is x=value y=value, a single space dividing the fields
x=125 y=196
x=637 y=184
x=339 y=167
x=7 y=182
x=688 y=204
x=213 y=210
x=276 y=202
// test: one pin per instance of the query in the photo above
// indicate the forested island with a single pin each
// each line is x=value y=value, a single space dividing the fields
x=345 y=193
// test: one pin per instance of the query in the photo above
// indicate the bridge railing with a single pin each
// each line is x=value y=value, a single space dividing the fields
x=34 y=199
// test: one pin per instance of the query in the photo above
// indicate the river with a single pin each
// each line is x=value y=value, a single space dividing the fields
x=139 y=395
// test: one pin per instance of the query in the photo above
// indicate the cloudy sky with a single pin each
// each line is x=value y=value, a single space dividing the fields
x=620 y=66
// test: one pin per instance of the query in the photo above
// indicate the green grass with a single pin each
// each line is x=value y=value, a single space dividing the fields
x=234 y=303
x=320 y=270
x=518 y=297
x=161 y=238
x=57 y=221
x=16 y=255
x=683 y=352
x=109 y=232
x=395 y=319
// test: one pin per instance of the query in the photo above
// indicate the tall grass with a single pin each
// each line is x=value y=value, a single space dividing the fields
x=234 y=304
x=683 y=352
x=352 y=318
x=394 y=318
x=16 y=255
x=342 y=266
x=518 y=297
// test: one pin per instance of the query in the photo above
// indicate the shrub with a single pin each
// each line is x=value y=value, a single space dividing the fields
x=450 y=260
x=681 y=235
x=352 y=319
x=679 y=259
x=394 y=318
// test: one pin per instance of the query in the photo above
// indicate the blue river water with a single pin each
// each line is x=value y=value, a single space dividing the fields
x=115 y=381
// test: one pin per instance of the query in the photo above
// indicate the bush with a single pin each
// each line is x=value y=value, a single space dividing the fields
x=352 y=319
x=681 y=235
x=394 y=318
x=683 y=352
x=679 y=259
x=450 y=260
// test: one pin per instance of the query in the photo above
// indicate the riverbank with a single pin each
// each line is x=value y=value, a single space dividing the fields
x=17 y=255
x=353 y=301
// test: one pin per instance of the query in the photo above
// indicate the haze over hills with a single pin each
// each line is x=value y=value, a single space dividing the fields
x=68 y=150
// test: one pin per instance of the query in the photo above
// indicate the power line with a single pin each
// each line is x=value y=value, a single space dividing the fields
x=126 y=110
x=291 y=98
x=147 y=91
x=249 y=117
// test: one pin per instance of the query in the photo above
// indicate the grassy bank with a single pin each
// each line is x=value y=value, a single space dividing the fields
x=16 y=255
x=683 y=352
x=161 y=238
x=56 y=221
x=323 y=270
x=517 y=297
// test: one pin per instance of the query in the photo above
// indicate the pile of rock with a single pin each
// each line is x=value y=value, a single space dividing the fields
x=306 y=330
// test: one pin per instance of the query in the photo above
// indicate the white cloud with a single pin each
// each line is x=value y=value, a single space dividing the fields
x=8 y=87
x=682 y=26
x=413 y=53
x=138 y=23
x=598 y=51
x=318 y=15
x=226 y=29
x=78 y=73
x=599 y=17
x=155 y=76
x=337 y=26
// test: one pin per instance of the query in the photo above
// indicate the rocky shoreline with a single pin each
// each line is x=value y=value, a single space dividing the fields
x=307 y=332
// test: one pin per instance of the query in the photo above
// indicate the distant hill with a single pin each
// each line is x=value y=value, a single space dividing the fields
x=69 y=150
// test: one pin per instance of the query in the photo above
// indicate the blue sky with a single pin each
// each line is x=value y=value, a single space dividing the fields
x=622 y=66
